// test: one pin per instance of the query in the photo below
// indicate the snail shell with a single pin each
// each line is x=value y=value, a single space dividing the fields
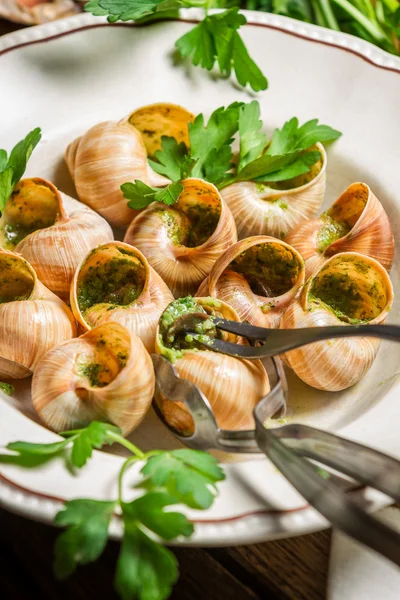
x=232 y=386
x=114 y=282
x=356 y=222
x=183 y=241
x=112 y=153
x=271 y=209
x=348 y=288
x=52 y=231
x=32 y=319
x=104 y=375
x=258 y=277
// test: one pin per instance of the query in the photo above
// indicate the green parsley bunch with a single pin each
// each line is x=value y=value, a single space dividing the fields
x=290 y=152
x=146 y=569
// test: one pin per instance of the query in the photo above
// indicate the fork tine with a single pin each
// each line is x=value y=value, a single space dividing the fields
x=236 y=350
x=243 y=329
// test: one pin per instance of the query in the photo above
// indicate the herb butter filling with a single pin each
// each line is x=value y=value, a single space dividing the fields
x=175 y=343
x=191 y=226
x=108 y=355
x=32 y=206
x=118 y=281
x=339 y=220
x=16 y=280
x=270 y=269
x=352 y=290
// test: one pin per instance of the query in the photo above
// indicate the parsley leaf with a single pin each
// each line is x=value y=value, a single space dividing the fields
x=170 y=158
x=38 y=449
x=288 y=154
x=300 y=166
x=252 y=140
x=187 y=166
x=198 y=44
x=124 y=10
x=3 y=160
x=85 y=440
x=13 y=168
x=217 y=165
x=292 y=137
x=146 y=569
x=187 y=474
x=148 y=510
x=217 y=39
x=208 y=141
x=86 y=537
x=141 y=195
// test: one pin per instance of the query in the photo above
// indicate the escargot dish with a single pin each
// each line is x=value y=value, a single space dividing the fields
x=32 y=319
x=258 y=277
x=349 y=288
x=183 y=241
x=51 y=230
x=116 y=283
x=232 y=386
x=275 y=208
x=112 y=153
x=104 y=375
x=356 y=222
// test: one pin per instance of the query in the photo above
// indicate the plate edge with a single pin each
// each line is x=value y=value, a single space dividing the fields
x=307 y=31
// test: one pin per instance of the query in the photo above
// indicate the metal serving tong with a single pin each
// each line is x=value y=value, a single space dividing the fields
x=274 y=341
x=289 y=447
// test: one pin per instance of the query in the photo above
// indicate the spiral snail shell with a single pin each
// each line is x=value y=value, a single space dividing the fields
x=356 y=222
x=348 y=288
x=232 y=386
x=276 y=208
x=258 y=277
x=183 y=241
x=104 y=375
x=114 y=282
x=112 y=153
x=52 y=231
x=32 y=319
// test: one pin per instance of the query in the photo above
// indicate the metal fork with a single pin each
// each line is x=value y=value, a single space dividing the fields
x=290 y=447
x=277 y=341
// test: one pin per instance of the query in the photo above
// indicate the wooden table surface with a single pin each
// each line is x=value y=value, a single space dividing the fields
x=291 y=569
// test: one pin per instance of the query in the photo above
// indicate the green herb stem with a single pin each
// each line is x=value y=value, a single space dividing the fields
x=370 y=26
x=326 y=10
x=319 y=17
x=129 y=461
x=127 y=444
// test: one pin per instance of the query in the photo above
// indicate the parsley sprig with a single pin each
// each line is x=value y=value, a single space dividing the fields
x=13 y=167
x=289 y=153
x=216 y=40
x=210 y=158
x=145 y=568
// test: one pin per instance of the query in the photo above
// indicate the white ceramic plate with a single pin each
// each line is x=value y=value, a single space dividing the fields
x=66 y=76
